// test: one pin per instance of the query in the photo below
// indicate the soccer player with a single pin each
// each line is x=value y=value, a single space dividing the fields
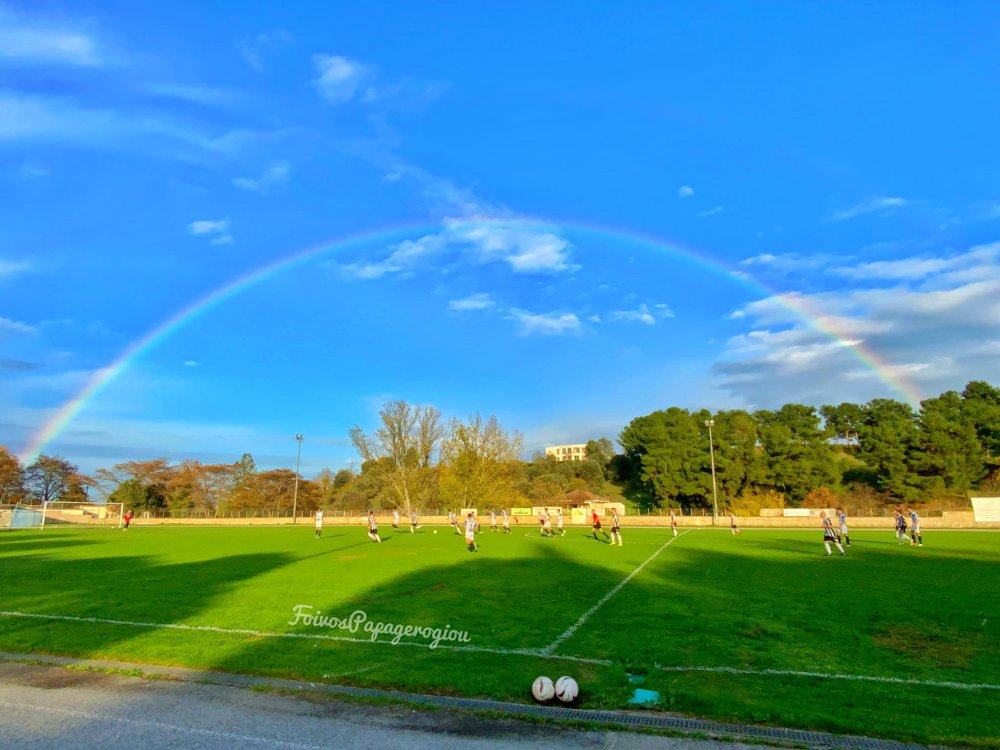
x=829 y=535
x=673 y=521
x=506 y=521
x=842 y=522
x=470 y=533
x=493 y=521
x=413 y=522
x=127 y=518
x=547 y=524
x=395 y=519
x=453 y=521
x=559 y=524
x=319 y=523
x=597 y=525
x=915 y=536
x=616 y=528
x=901 y=527
x=373 y=528
x=732 y=524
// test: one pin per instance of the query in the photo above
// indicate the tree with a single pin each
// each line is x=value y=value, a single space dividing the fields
x=948 y=454
x=138 y=495
x=842 y=421
x=798 y=456
x=602 y=452
x=244 y=471
x=11 y=477
x=887 y=436
x=981 y=406
x=48 y=478
x=667 y=453
x=400 y=452
x=480 y=457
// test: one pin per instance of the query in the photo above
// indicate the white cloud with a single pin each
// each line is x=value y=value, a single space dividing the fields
x=13 y=267
x=191 y=363
x=473 y=302
x=642 y=315
x=664 y=311
x=872 y=205
x=207 y=226
x=8 y=326
x=26 y=43
x=274 y=177
x=594 y=318
x=925 y=325
x=206 y=95
x=225 y=239
x=339 y=77
x=685 y=191
x=253 y=48
x=546 y=324
x=710 y=212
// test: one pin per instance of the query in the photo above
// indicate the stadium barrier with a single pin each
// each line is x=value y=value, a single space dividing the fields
x=946 y=520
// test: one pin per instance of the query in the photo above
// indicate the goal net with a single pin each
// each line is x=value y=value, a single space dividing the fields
x=60 y=514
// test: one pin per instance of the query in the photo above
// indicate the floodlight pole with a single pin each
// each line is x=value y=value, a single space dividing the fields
x=295 y=496
x=710 y=423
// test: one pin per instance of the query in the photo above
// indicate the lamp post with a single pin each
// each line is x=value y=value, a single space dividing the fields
x=710 y=423
x=295 y=495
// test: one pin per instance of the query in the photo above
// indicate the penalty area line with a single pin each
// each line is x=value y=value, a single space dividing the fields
x=548 y=650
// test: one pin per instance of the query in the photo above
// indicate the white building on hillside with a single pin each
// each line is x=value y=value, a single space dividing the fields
x=567 y=452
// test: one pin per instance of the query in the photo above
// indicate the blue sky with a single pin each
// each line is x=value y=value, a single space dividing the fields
x=503 y=160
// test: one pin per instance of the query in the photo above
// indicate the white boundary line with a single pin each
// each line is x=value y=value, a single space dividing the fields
x=548 y=650
x=539 y=653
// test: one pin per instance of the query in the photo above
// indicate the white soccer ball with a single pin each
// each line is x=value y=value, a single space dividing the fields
x=435 y=531
x=567 y=689
x=543 y=689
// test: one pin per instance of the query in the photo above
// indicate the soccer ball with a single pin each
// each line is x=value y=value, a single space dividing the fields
x=435 y=531
x=567 y=689
x=543 y=689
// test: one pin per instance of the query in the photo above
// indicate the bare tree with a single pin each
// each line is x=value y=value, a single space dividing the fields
x=401 y=451
x=479 y=457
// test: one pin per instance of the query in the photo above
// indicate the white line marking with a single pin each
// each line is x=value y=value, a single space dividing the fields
x=540 y=653
x=148 y=723
x=548 y=650
x=833 y=676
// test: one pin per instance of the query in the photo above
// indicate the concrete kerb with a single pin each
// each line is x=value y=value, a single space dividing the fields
x=622 y=719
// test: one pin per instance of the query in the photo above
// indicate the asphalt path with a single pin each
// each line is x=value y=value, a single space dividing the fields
x=52 y=707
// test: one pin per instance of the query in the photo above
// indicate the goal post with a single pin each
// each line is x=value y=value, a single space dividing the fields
x=42 y=515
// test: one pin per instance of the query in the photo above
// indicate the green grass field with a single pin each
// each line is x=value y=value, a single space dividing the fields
x=768 y=600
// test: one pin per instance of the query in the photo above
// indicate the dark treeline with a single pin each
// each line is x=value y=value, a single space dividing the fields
x=879 y=452
x=855 y=455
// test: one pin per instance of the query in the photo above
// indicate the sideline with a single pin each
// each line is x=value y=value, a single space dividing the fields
x=626 y=720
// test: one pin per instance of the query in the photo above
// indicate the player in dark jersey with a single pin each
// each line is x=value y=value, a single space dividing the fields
x=454 y=522
x=829 y=535
x=901 y=527
x=596 y=525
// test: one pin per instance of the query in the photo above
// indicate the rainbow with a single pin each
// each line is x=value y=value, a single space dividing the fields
x=101 y=378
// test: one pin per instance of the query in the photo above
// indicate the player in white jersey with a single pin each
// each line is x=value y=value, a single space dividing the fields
x=547 y=523
x=845 y=533
x=413 y=522
x=915 y=536
x=506 y=521
x=493 y=521
x=829 y=535
x=732 y=524
x=673 y=521
x=559 y=523
x=373 y=527
x=453 y=521
x=319 y=523
x=616 y=528
x=395 y=519
x=470 y=533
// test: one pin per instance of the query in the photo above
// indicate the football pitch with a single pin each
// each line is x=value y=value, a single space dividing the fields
x=891 y=641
